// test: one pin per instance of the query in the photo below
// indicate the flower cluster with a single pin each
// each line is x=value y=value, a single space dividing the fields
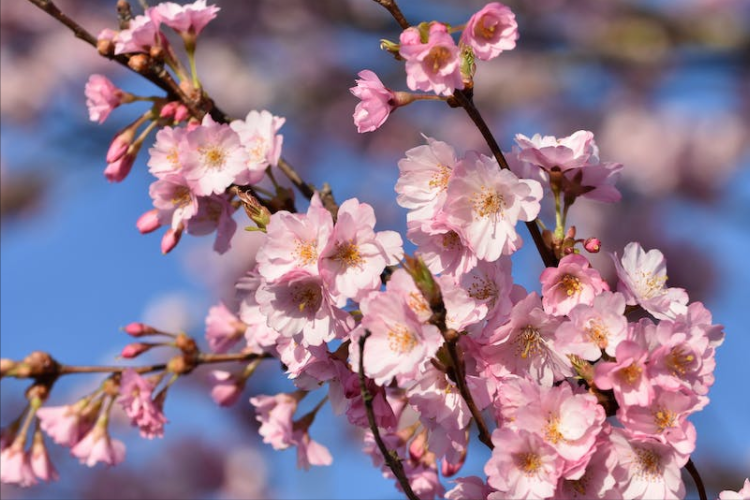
x=585 y=398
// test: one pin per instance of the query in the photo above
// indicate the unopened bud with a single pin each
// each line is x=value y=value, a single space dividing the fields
x=571 y=232
x=170 y=240
x=424 y=280
x=139 y=62
x=119 y=169
x=120 y=144
x=178 y=365
x=181 y=113
x=168 y=109
x=592 y=245
x=105 y=42
x=583 y=368
x=135 y=349
x=148 y=222
x=38 y=392
x=40 y=363
x=139 y=329
x=255 y=211
x=156 y=52
x=186 y=344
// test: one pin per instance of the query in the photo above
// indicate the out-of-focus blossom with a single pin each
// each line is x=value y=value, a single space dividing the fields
x=102 y=96
x=190 y=18
x=491 y=31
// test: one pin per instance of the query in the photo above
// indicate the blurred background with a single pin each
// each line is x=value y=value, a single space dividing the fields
x=663 y=84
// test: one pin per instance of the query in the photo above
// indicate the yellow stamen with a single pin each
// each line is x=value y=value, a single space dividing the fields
x=401 y=340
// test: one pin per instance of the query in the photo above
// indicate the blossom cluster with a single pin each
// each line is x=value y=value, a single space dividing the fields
x=587 y=386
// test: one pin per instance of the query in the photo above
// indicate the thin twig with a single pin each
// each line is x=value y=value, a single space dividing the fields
x=548 y=257
x=392 y=7
x=202 y=359
x=391 y=458
x=690 y=467
x=293 y=176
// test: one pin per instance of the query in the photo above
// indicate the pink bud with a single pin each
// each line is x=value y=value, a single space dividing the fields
x=592 y=245
x=168 y=109
x=120 y=144
x=139 y=329
x=135 y=349
x=170 y=240
x=181 y=113
x=148 y=222
x=118 y=170
x=418 y=447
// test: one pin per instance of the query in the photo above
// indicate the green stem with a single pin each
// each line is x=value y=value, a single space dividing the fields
x=559 y=219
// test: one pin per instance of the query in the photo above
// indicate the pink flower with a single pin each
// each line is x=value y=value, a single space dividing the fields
x=298 y=303
x=643 y=278
x=522 y=465
x=15 y=467
x=227 y=388
x=258 y=335
x=310 y=452
x=213 y=158
x=259 y=135
x=275 y=414
x=120 y=168
x=469 y=488
x=524 y=345
x=567 y=153
x=486 y=203
x=442 y=247
x=627 y=376
x=223 y=328
x=376 y=102
x=571 y=283
x=432 y=66
x=399 y=345
x=214 y=214
x=174 y=200
x=190 y=18
x=491 y=31
x=143 y=411
x=141 y=35
x=488 y=285
x=295 y=241
x=97 y=446
x=594 y=328
x=164 y=159
x=102 y=96
x=355 y=255
x=423 y=179
x=743 y=494
x=66 y=425
x=597 y=480
x=652 y=469
x=41 y=464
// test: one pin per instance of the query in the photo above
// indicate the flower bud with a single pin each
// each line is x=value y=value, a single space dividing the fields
x=424 y=280
x=181 y=113
x=120 y=144
x=170 y=240
x=135 y=349
x=148 y=222
x=119 y=169
x=105 y=42
x=40 y=363
x=6 y=365
x=139 y=330
x=139 y=62
x=592 y=245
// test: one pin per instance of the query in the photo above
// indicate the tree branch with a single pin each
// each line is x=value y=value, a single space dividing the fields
x=390 y=457
x=692 y=469
x=392 y=7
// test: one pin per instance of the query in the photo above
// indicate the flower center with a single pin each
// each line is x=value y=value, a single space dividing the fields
x=173 y=158
x=439 y=180
x=529 y=342
x=214 y=156
x=482 y=289
x=485 y=28
x=417 y=303
x=650 y=285
x=552 y=432
x=664 y=418
x=181 y=196
x=571 y=285
x=648 y=463
x=451 y=240
x=598 y=333
x=630 y=373
x=347 y=253
x=529 y=463
x=401 y=340
x=307 y=296
x=488 y=203
x=438 y=57
x=306 y=252
x=257 y=148
x=680 y=360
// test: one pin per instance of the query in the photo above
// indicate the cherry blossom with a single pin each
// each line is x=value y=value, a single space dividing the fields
x=434 y=65
x=491 y=31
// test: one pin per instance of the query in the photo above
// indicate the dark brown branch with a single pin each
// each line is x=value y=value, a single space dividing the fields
x=548 y=257
x=690 y=467
x=293 y=176
x=391 y=458
x=392 y=7
x=202 y=359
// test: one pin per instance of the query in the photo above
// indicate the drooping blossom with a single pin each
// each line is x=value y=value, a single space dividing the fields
x=102 y=96
x=223 y=328
x=15 y=467
x=432 y=66
x=275 y=414
x=226 y=387
x=190 y=18
x=309 y=452
x=572 y=282
x=139 y=405
x=355 y=255
x=643 y=278
x=41 y=464
x=97 y=446
x=259 y=135
x=213 y=158
x=491 y=31
x=376 y=102
x=486 y=203
x=67 y=425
